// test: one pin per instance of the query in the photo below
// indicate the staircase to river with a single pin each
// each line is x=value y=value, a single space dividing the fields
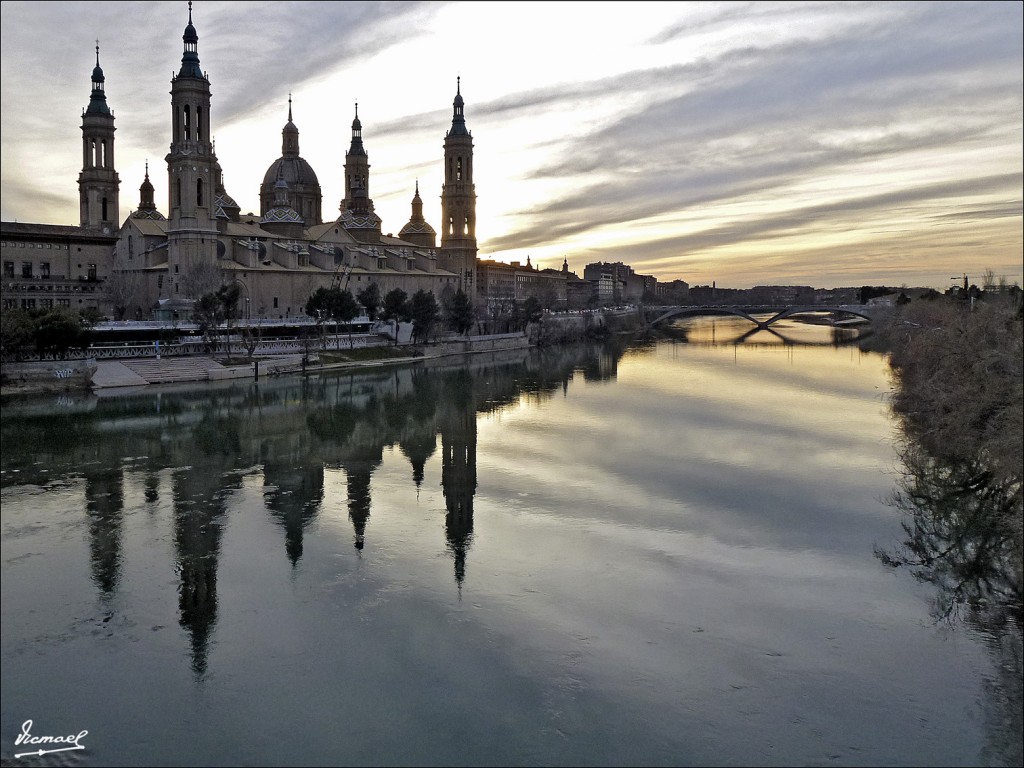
x=171 y=369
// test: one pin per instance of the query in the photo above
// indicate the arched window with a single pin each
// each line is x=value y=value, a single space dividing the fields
x=199 y=123
x=458 y=170
x=199 y=192
x=103 y=216
x=188 y=124
x=103 y=155
x=92 y=153
x=177 y=193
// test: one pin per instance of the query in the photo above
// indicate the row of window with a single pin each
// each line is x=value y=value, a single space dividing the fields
x=44 y=270
x=80 y=287
x=42 y=303
x=23 y=244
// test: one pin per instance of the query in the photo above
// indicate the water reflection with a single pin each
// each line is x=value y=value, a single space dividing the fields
x=290 y=431
x=711 y=331
x=962 y=523
x=104 y=504
x=674 y=569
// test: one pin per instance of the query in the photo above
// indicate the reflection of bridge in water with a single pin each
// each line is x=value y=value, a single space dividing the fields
x=834 y=314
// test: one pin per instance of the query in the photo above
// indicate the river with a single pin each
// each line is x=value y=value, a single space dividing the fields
x=658 y=553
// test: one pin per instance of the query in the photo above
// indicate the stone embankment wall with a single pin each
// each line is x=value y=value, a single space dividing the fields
x=47 y=375
x=493 y=343
x=568 y=328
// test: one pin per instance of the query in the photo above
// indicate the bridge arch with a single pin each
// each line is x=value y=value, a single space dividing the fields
x=747 y=313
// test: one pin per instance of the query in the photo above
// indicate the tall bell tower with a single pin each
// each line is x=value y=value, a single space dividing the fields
x=458 y=201
x=98 y=183
x=191 y=177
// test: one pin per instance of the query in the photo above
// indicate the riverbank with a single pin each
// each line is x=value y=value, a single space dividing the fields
x=55 y=377
x=958 y=373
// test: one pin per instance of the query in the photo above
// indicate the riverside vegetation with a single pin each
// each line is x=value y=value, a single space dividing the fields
x=958 y=370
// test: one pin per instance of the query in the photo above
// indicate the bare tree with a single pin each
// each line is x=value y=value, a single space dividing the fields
x=251 y=338
x=122 y=286
x=200 y=278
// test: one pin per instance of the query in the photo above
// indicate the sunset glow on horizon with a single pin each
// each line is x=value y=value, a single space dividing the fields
x=821 y=144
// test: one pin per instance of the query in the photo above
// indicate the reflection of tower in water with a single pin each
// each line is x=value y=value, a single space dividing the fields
x=418 y=447
x=357 y=475
x=457 y=424
x=104 y=496
x=294 y=491
x=198 y=513
x=363 y=457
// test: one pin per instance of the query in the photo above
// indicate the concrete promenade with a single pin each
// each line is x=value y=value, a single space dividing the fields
x=130 y=372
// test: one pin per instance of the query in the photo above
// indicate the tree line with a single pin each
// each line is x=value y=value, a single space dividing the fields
x=59 y=330
x=54 y=331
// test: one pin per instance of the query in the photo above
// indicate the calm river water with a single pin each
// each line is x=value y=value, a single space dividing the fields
x=660 y=554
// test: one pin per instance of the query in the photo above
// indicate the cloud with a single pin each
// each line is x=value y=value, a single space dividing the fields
x=681 y=139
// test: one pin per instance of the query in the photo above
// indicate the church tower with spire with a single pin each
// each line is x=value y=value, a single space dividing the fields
x=458 y=200
x=357 y=214
x=191 y=173
x=418 y=231
x=98 y=183
x=147 y=204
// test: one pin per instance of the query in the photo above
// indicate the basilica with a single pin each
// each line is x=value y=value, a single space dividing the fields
x=153 y=266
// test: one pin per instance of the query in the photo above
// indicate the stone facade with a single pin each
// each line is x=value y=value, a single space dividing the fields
x=278 y=259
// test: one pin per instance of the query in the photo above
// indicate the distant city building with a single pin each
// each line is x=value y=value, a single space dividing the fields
x=617 y=283
x=674 y=292
x=501 y=285
x=778 y=295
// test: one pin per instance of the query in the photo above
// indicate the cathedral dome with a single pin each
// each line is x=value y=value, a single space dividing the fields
x=293 y=170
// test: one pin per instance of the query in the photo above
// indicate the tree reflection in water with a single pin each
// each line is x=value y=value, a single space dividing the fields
x=963 y=535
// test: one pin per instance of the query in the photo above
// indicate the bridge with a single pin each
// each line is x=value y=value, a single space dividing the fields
x=834 y=314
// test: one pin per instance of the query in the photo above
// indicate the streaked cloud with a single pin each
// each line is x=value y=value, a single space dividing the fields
x=745 y=143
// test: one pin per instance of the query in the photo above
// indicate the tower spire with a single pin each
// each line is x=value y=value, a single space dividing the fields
x=98 y=182
x=193 y=172
x=190 y=54
x=290 y=135
x=458 y=111
x=98 y=98
x=458 y=199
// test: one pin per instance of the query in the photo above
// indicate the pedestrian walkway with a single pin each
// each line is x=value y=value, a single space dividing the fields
x=141 y=371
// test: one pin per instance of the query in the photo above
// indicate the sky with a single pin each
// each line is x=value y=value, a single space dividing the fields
x=741 y=144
